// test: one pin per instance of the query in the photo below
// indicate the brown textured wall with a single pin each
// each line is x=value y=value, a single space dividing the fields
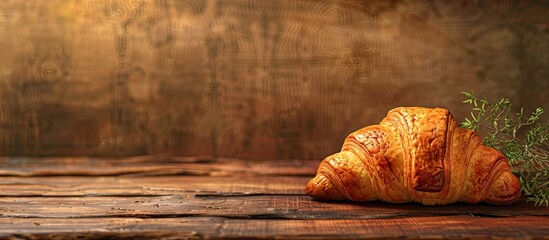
x=252 y=79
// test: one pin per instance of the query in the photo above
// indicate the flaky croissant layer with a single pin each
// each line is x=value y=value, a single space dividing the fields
x=416 y=155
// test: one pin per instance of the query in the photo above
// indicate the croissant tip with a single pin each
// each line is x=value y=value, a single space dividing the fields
x=320 y=187
x=310 y=188
x=505 y=190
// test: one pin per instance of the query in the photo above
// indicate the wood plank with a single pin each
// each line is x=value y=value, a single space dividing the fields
x=224 y=203
x=258 y=207
x=233 y=197
x=213 y=228
x=74 y=186
x=152 y=165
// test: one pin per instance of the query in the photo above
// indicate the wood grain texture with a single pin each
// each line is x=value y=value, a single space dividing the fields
x=152 y=165
x=95 y=198
x=74 y=186
x=462 y=227
x=249 y=79
x=237 y=205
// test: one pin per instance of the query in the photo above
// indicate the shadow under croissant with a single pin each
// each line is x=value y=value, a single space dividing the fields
x=387 y=209
x=378 y=209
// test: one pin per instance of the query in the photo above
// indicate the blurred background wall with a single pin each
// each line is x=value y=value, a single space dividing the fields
x=258 y=79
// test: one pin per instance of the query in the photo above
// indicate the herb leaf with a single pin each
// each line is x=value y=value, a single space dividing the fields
x=527 y=154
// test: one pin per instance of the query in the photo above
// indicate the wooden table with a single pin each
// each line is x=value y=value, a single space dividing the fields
x=196 y=198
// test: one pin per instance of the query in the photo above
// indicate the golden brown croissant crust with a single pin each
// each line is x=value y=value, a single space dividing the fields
x=416 y=154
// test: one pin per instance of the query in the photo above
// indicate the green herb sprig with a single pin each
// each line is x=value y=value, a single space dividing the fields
x=518 y=136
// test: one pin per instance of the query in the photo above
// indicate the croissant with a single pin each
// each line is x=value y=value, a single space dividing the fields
x=416 y=155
